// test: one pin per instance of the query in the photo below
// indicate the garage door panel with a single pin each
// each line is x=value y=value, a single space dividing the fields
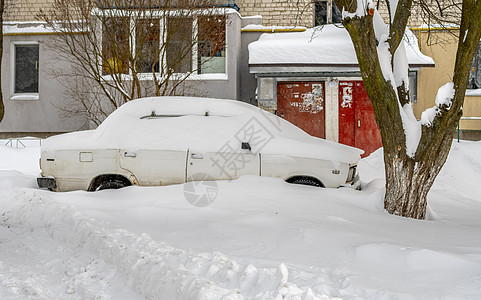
x=303 y=104
x=357 y=121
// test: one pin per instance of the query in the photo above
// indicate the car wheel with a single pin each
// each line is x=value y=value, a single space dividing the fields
x=111 y=184
x=306 y=181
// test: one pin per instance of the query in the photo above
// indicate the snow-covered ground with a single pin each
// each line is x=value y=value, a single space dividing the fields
x=260 y=239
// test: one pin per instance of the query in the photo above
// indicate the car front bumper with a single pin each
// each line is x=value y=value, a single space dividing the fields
x=47 y=182
x=352 y=174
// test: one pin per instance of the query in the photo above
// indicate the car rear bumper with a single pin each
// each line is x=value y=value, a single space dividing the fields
x=47 y=182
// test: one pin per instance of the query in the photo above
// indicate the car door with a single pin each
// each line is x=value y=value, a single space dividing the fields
x=155 y=167
x=226 y=164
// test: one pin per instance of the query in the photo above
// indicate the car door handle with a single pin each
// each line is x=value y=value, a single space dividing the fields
x=130 y=154
x=196 y=156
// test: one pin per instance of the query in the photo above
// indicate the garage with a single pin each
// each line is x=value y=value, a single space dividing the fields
x=312 y=80
x=303 y=103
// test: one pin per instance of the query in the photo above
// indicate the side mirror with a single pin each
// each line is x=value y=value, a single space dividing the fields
x=246 y=146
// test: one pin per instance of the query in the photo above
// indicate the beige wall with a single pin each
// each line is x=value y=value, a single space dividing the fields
x=441 y=45
x=25 y=10
x=471 y=108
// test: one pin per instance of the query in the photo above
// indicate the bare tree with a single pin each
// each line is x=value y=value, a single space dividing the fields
x=120 y=50
x=414 y=152
x=5 y=5
x=2 y=14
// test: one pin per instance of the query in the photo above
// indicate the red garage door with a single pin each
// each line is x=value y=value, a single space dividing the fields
x=357 y=124
x=302 y=104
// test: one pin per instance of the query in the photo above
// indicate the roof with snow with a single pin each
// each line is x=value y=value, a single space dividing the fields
x=329 y=45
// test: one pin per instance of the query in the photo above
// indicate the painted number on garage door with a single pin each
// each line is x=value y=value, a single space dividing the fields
x=357 y=124
x=303 y=104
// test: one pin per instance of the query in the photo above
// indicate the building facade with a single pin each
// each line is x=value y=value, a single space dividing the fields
x=38 y=100
x=37 y=110
x=437 y=42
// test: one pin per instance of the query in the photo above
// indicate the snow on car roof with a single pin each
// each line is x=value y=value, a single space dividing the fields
x=200 y=124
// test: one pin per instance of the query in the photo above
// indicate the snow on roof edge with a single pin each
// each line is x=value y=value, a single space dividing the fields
x=326 y=45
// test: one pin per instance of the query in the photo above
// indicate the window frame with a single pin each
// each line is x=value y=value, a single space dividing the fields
x=193 y=75
x=330 y=4
x=476 y=58
x=413 y=85
x=13 y=70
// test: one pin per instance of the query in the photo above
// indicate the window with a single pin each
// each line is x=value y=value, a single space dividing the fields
x=475 y=74
x=326 y=12
x=179 y=44
x=147 y=42
x=413 y=86
x=26 y=68
x=211 y=45
x=115 y=45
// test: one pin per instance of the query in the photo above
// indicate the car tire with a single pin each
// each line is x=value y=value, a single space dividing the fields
x=111 y=184
x=306 y=181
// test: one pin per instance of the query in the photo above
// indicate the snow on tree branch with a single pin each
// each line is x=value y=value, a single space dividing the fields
x=444 y=99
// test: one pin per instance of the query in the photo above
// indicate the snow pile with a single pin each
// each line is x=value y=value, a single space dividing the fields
x=156 y=269
x=260 y=239
x=18 y=166
x=200 y=124
x=444 y=97
x=24 y=160
x=328 y=44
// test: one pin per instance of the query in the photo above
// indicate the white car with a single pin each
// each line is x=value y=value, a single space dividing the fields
x=170 y=140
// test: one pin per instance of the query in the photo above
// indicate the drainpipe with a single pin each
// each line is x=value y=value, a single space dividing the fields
x=458 y=131
x=230 y=5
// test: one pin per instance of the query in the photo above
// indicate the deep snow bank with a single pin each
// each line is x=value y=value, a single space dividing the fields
x=156 y=269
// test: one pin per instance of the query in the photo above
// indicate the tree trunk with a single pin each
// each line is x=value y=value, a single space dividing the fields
x=2 y=10
x=409 y=178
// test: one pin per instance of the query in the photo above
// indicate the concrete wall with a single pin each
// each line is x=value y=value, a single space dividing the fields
x=228 y=87
x=35 y=117
x=248 y=80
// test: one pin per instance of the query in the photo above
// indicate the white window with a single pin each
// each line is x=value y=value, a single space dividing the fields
x=25 y=61
x=115 y=45
x=178 y=44
x=326 y=12
x=211 y=44
x=147 y=44
x=413 y=86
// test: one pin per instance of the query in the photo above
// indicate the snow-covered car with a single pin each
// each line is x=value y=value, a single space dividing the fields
x=169 y=140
